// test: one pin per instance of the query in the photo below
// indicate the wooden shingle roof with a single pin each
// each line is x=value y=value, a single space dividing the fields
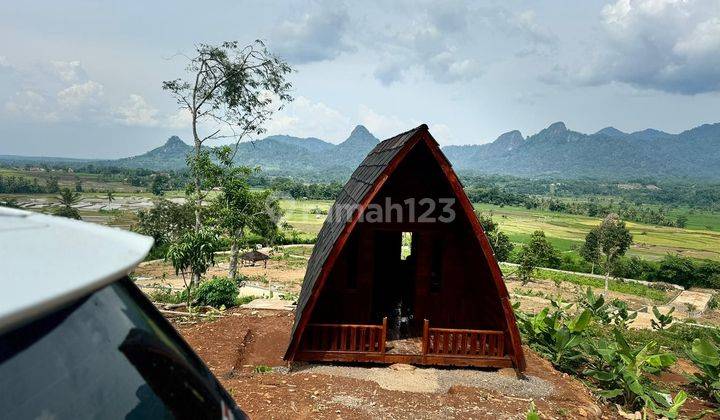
x=358 y=187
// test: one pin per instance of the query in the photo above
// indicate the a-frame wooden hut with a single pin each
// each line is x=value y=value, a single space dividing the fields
x=392 y=280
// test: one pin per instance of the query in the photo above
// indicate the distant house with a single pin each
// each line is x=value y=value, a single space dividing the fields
x=402 y=271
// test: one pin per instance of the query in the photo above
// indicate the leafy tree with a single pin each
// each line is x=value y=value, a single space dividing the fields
x=538 y=252
x=193 y=253
x=232 y=90
x=613 y=241
x=67 y=199
x=681 y=221
x=165 y=222
x=590 y=250
x=160 y=183
x=677 y=270
x=52 y=186
x=237 y=208
x=500 y=242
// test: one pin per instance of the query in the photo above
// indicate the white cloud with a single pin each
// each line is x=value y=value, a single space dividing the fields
x=137 y=112
x=384 y=126
x=69 y=71
x=540 y=38
x=305 y=118
x=26 y=102
x=53 y=91
x=74 y=97
x=180 y=119
x=667 y=45
x=317 y=35
x=442 y=133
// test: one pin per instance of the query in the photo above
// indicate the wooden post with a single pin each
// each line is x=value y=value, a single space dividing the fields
x=426 y=339
x=384 y=335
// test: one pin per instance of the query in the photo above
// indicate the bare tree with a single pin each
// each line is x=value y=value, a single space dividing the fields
x=231 y=92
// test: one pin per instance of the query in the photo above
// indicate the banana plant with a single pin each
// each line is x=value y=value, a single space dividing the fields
x=556 y=335
x=532 y=413
x=620 y=315
x=620 y=372
x=706 y=357
x=662 y=320
x=596 y=304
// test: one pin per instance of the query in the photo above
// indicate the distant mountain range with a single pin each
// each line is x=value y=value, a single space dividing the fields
x=277 y=155
x=553 y=152
x=609 y=153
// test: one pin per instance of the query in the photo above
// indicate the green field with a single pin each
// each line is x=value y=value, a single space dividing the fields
x=565 y=231
x=299 y=214
x=700 y=239
x=568 y=231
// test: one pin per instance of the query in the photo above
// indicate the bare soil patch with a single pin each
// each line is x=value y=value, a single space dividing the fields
x=279 y=275
x=234 y=345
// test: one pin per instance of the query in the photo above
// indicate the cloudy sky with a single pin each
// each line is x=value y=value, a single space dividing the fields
x=83 y=78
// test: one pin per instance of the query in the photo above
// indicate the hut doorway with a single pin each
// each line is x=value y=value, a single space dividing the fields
x=394 y=282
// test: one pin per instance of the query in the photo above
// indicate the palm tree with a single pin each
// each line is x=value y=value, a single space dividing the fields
x=110 y=196
x=67 y=199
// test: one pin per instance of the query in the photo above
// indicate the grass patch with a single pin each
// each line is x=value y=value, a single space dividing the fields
x=242 y=300
x=262 y=369
x=582 y=280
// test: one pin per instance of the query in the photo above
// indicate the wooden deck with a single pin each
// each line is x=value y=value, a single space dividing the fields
x=439 y=346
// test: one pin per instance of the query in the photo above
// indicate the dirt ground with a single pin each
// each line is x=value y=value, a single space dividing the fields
x=235 y=345
x=279 y=274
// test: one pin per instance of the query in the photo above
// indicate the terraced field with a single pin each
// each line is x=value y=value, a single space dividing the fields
x=567 y=231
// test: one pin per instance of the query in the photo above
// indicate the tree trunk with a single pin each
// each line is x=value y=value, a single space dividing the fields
x=607 y=281
x=234 y=253
x=195 y=280
x=592 y=268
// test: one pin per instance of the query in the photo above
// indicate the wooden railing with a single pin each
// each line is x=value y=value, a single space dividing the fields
x=462 y=342
x=345 y=338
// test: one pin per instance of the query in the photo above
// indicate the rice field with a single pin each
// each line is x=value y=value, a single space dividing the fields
x=567 y=232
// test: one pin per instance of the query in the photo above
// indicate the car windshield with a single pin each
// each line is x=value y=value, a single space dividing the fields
x=105 y=356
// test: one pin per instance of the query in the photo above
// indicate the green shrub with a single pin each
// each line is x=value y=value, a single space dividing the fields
x=166 y=295
x=262 y=369
x=217 y=292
